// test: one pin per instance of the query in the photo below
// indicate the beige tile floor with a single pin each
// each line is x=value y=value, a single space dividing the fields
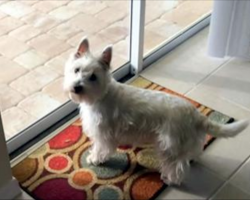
x=37 y=36
x=23 y=196
x=223 y=171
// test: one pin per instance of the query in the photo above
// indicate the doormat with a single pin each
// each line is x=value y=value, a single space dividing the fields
x=58 y=169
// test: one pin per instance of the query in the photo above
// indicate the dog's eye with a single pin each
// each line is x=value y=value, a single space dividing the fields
x=77 y=70
x=93 y=77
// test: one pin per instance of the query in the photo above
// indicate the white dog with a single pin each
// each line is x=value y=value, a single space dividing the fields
x=116 y=114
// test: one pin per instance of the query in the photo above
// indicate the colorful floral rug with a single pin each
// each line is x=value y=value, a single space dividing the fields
x=58 y=169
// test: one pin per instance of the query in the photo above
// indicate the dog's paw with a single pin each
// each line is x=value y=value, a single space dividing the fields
x=92 y=160
x=167 y=181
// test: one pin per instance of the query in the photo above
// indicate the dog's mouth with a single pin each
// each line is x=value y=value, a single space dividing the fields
x=77 y=98
x=75 y=93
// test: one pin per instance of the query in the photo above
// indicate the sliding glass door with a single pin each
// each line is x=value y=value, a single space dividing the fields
x=165 y=20
x=38 y=36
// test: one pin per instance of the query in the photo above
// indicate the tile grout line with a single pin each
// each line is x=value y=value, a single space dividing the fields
x=207 y=76
x=230 y=178
x=236 y=104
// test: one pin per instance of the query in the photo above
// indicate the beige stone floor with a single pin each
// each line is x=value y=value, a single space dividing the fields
x=37 y=36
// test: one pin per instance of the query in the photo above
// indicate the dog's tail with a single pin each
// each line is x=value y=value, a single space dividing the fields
x=227 y=130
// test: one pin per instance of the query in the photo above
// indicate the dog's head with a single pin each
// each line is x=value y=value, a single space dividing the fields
x=87 y=77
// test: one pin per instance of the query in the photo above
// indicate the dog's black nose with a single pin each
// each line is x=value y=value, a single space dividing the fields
x=78 y=89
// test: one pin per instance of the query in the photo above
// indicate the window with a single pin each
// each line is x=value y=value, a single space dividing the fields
x=36 y=38
x=164 y=20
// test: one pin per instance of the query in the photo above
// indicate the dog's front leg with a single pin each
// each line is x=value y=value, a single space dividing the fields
x=100 y=152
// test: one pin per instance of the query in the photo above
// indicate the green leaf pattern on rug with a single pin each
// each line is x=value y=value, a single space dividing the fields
x=218 y=117
x=114 y=167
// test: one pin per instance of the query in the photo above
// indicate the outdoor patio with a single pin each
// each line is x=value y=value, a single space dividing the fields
x=37 y=36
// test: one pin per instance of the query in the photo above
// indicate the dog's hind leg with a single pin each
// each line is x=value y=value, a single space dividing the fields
x=174 y=160
x=173 y=167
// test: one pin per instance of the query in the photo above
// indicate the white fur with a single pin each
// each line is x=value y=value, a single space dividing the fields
x=116 y=114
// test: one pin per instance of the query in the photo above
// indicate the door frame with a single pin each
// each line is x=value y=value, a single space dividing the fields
x=9 y=187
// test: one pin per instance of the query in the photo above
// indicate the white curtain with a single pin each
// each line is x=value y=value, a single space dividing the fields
x=229 y=33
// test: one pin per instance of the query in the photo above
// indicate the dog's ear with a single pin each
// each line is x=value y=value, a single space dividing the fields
x=106 y=56
x=83 y=48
